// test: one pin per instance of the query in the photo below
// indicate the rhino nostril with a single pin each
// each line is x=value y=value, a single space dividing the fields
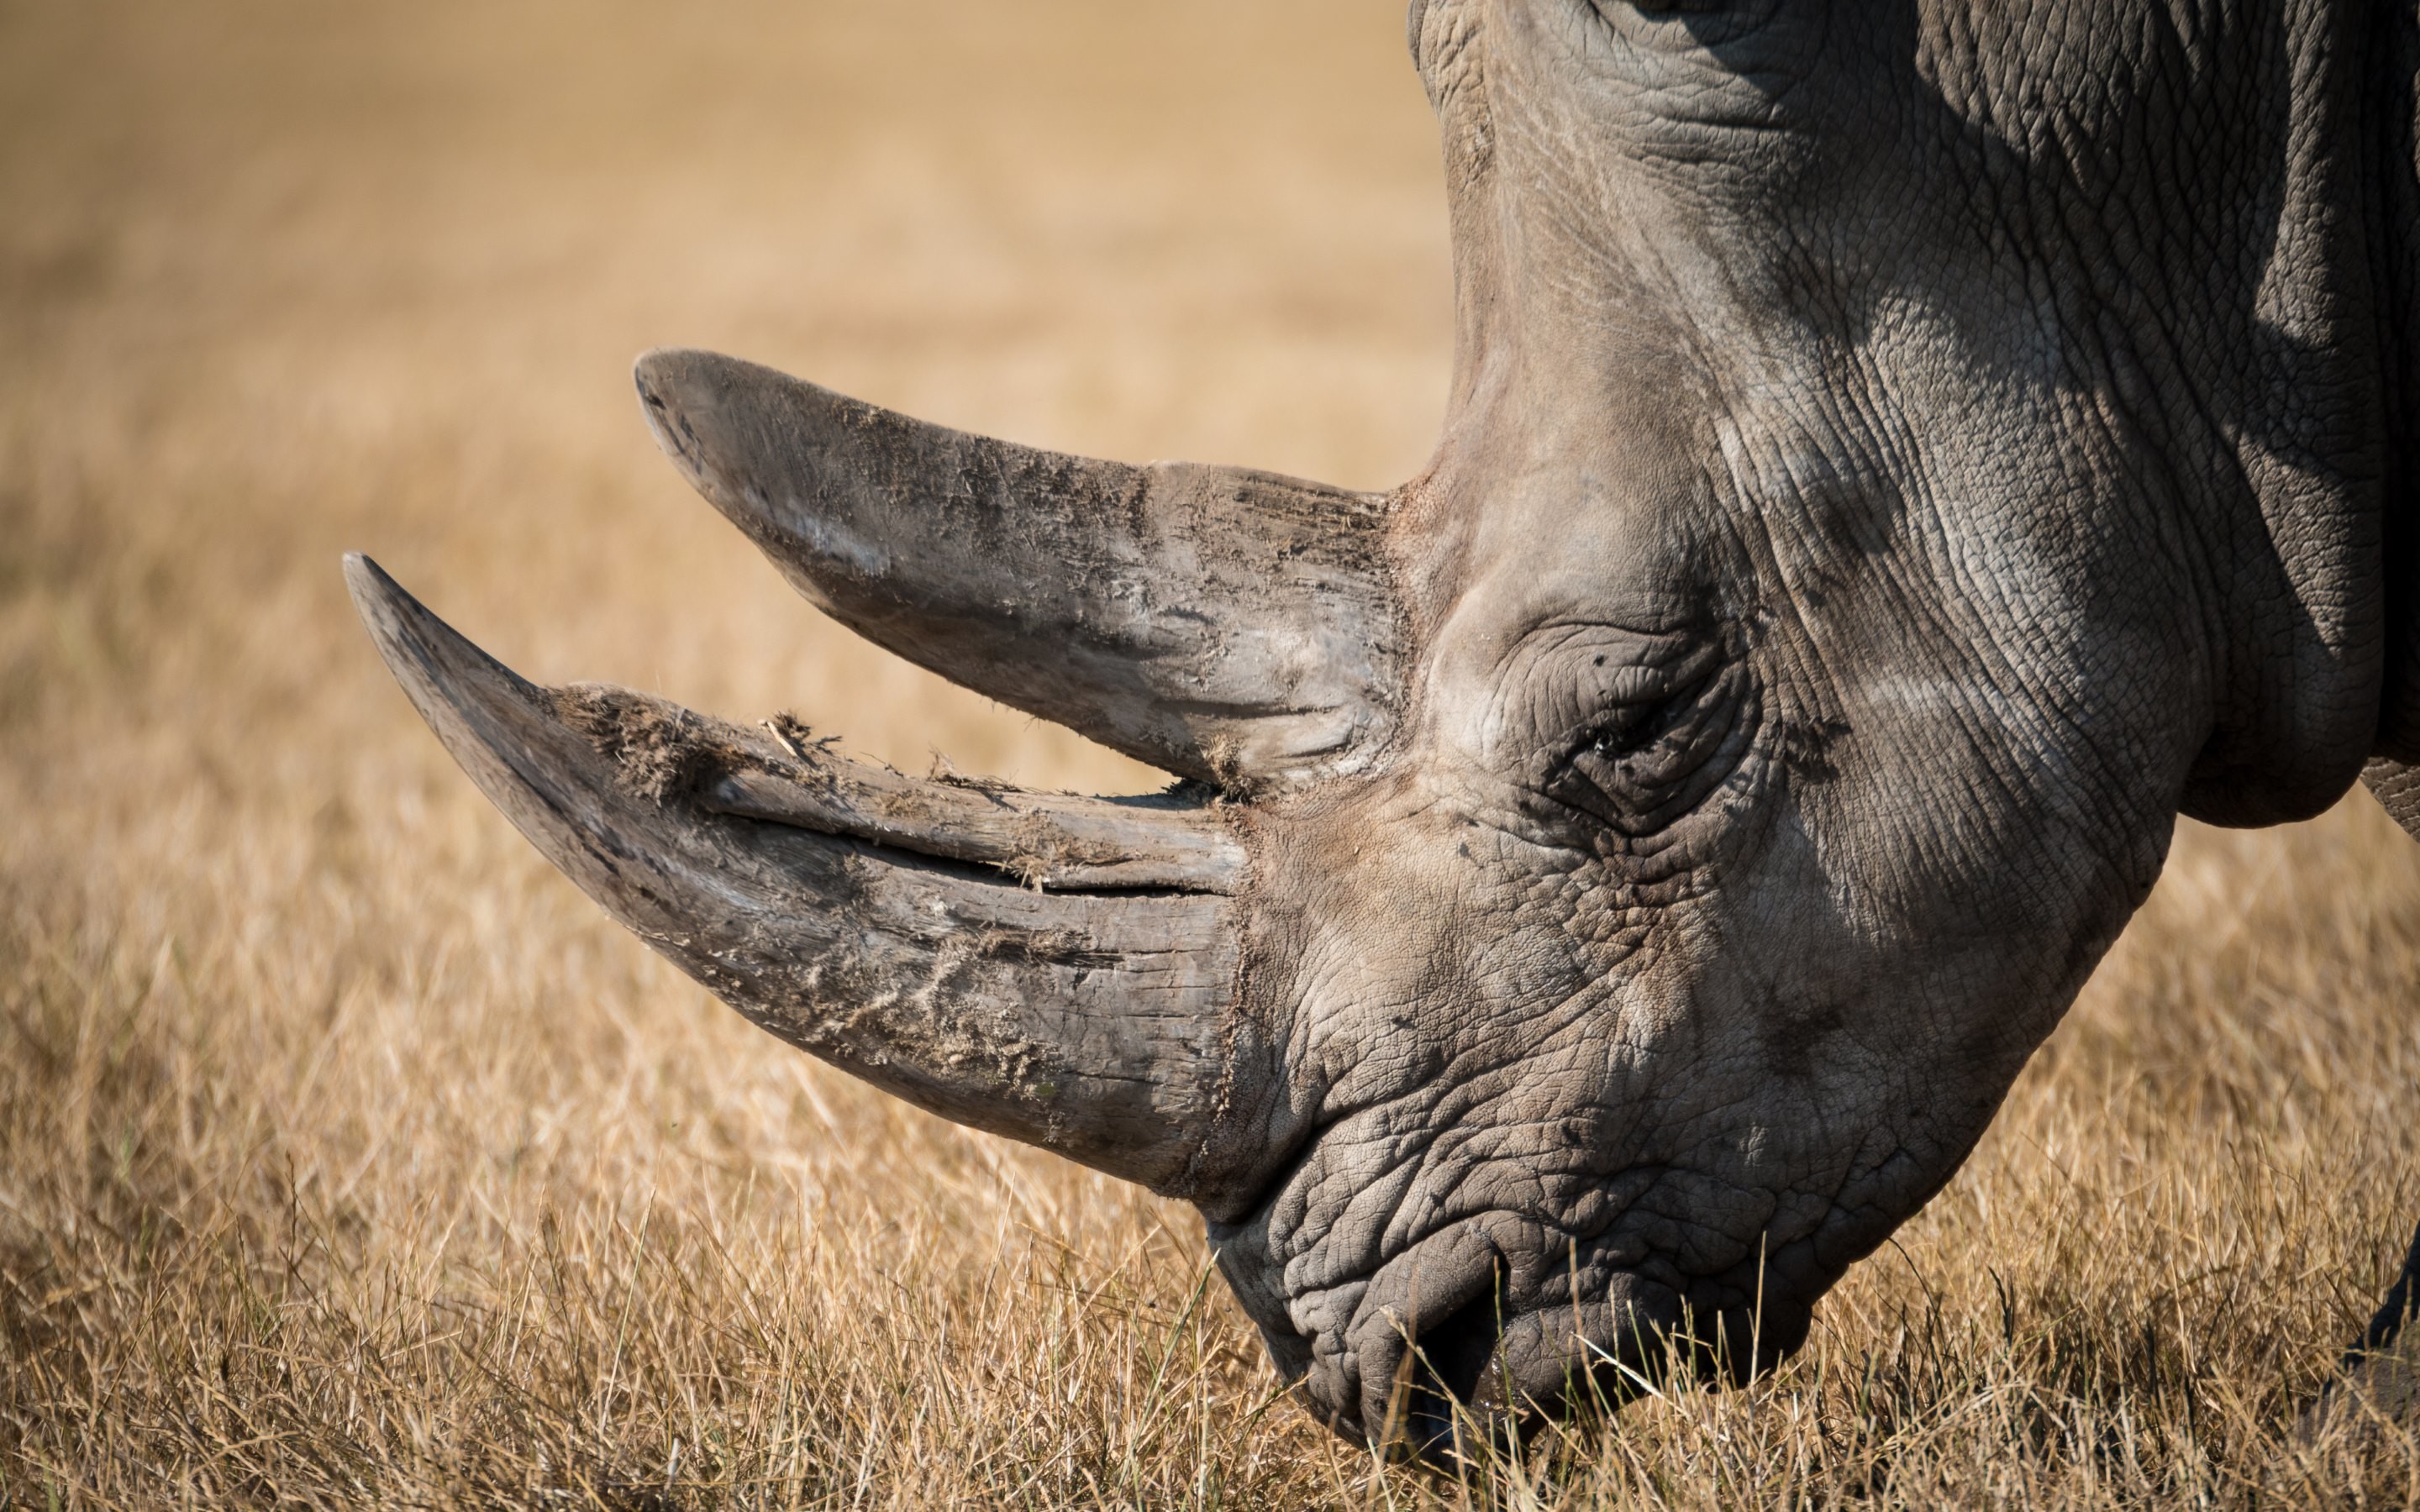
x=1451 y=1360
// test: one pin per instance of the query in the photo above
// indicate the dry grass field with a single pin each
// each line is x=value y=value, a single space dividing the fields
x=349 y=1156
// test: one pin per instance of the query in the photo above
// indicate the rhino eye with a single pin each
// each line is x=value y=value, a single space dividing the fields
x=1642 y=763
x=1631 y=730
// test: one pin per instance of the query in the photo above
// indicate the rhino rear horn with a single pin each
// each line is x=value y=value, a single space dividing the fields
x=1231 y=626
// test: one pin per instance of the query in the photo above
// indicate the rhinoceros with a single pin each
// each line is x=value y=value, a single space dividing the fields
x=1901 y=453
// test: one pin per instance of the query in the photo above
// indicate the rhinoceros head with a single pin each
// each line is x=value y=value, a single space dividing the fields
x=1899 y=456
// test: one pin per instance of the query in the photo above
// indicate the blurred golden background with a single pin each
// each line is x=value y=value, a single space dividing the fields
x=348 y=1156
x=372 y=276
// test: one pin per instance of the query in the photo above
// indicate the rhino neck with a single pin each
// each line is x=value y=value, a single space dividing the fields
x=2200 y=210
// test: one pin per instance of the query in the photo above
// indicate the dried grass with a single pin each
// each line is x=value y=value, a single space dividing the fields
x=347 y=1156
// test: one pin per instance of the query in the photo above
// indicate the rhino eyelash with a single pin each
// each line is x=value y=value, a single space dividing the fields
x=1636 y=729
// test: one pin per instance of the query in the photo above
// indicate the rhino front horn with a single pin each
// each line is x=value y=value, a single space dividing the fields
x=1231 y=626
x=1058 y=970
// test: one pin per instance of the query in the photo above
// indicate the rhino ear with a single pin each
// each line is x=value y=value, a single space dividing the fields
x=1231 y=626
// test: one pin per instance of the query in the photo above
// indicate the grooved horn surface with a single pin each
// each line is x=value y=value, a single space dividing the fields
x=882 y=924
x=1230 y=626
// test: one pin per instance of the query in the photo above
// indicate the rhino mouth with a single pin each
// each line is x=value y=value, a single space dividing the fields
x=1491 y=1369
x=1486 y=1330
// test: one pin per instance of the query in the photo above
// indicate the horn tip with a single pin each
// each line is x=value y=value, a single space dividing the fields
x=660 y=366
x=679 y=387
x=361 y=569
x=670 y=373
x=381 y=601
x=430 y=657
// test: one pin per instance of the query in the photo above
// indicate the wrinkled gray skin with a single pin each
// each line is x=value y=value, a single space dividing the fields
x=1900 y=455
